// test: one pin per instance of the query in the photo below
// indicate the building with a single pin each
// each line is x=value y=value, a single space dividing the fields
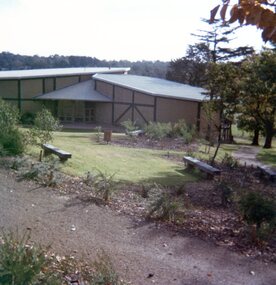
x=20 y=87
x=107 y=95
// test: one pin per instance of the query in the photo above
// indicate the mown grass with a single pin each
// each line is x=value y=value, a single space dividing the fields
x=268 y=156
x=131 y=165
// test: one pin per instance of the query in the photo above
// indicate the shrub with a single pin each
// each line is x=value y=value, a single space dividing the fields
x=165 y=207
x=257 y=210
x=102 y=183
x=9 y=117
x=229 y=161
x=44 y=126
x=22 y=263
x=187 y=132
x=158 y=130
x=98 y=133
x=129 y=126
x=104 y=272
x=12 y=142
x=27 y=118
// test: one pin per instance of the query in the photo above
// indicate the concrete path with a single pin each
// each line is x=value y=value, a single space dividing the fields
x=248 y=155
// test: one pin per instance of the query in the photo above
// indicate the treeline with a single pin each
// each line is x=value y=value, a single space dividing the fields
x=10 y=61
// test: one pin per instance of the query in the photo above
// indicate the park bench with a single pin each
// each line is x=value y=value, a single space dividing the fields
x=202 y=166
x=268 y=172
x=50 y=149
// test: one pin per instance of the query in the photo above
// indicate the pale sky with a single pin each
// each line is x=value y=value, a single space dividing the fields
x=107 y=29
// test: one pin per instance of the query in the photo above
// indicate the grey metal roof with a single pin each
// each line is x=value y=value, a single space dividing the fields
x=154 y=86
x=83 y=91
x=52 y=72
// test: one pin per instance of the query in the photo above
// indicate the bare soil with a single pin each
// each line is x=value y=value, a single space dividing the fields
x=143 y=251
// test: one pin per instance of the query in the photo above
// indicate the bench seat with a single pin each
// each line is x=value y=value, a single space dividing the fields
x=204 y=167
x=268 y=171
x=50 y=149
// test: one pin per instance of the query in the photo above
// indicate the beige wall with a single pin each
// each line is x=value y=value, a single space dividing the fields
x=143 y=98
x=123 y=94
x=62 y=82
x=148 y=113
x=9 y=89
x=104 y=113
x=171 y=110
x=31 y=88
x=30 y=106
x=49 y=85
x=104 y=88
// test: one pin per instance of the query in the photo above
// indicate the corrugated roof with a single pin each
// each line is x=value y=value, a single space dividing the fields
x=52 y=72
x=83 y=91
x=154 y=86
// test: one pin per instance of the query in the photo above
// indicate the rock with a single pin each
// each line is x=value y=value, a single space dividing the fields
x=73 y=228
x=252 y=273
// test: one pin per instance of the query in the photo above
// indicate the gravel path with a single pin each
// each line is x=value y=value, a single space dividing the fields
x=137 y=249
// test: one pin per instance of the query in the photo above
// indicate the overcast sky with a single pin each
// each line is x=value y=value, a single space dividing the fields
x=107 y=29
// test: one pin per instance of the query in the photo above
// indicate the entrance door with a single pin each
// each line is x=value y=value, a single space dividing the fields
x=89 y=112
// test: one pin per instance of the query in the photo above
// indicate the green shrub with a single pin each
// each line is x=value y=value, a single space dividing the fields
x=165 y=208
x=98 y=133
x=44 y=126
x=187 y=132
x=102 y=183
x=27 y=118
x=158 y=130
x=104 y=272
x=22 y=263
x=12 y=142
x=229 y=161
x=129 y=126
x=9 y=117
x=257 y=210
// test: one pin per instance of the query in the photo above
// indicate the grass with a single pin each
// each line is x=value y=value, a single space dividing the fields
x=130 y=165
x=268 y=156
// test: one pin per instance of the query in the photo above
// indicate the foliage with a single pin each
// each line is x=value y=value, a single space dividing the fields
x=157 y=130
x=102 y=183
x=226 y=192
x=257 y=210
x=257 y=104
x=12 y=142
x=44 y=126
x=187 y=132
x=229 y=161
x=45 y=172
x=27 y=118
x=22 y=263
x=258 y=13
x=129 y=126
x=98 y=133
x=11 y=139
x=165 y=207
x=104 y=272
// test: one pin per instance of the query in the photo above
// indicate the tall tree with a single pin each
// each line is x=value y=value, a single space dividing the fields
x=258 y=97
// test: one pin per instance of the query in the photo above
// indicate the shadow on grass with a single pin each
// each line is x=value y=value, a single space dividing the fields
x=181 y=176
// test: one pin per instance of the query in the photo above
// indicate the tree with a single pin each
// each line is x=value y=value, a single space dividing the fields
x=191 y=69
x=251 y=12
x=44 y=126
x=258 y=96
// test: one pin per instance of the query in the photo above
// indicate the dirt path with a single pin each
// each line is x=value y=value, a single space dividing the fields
x=137 y=249
x=247 y=155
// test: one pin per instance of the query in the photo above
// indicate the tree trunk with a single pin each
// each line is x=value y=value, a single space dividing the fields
x=269 y=132
x=255 y=140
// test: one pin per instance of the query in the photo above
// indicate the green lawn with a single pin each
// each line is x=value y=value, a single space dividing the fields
x=129 y=164
x=268 y=156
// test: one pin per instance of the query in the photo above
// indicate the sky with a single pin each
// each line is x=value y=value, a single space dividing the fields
x=108 y=29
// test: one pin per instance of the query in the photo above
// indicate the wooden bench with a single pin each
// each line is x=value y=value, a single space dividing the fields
x=202 y=166
x=50 y=149
x=267 y=171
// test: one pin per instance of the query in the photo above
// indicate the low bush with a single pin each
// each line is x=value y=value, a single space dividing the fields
x=12 y=142
x=22 y=263
x=27 y=118
x=229 y=161
x=158 y=130
x=98 y=133
x=164 y=208
x=187 y=132
x=129 y=126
